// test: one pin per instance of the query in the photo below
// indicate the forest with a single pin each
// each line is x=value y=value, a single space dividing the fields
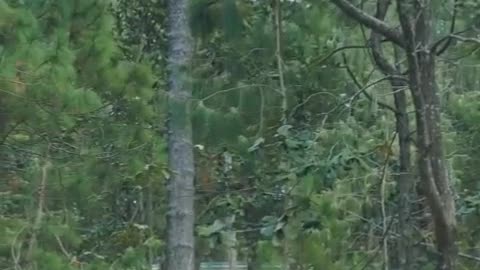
x=239 y=134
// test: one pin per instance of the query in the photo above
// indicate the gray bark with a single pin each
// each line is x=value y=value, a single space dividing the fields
x=180 y=216
x=404 y=178
x=417 y=23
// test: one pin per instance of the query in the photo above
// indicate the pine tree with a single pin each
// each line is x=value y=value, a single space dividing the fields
x=181 y=216
x=69 y=96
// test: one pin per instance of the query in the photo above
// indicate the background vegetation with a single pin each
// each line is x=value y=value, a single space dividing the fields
x=296 y=140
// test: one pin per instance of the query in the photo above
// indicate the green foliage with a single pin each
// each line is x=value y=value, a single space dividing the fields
x=74 y=101
x=209 y=16
x=82 y=87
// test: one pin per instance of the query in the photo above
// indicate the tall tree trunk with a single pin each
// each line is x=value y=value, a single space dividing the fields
x=404 y=177
x=417 y=23
x=277 y=10
x=180 y=225
x=405 y=182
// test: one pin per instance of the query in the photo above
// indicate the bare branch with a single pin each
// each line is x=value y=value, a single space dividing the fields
x=320 y=61
x=452 y=29
x=443 y=39
x=364 y=92
x=361 y=91
x=232 y=89
x=466 y=39
x=371 y=22
x=297 y=107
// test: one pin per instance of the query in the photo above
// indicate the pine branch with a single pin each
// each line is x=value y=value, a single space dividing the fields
x=371 y=22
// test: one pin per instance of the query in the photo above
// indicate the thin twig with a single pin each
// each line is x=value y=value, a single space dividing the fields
x=466 y=39
x=359 y=86
x=329 y=55
x=62 y=247
x=452 y=30
x=232 y=89
x=16 y=248
x=40 y=209
x=382 y=196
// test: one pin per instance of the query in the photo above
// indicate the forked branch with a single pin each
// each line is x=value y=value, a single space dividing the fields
x=371 y=22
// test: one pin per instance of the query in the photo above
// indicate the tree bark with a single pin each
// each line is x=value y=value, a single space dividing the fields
x=180 y=224
x=404 y=177
x=417 y=23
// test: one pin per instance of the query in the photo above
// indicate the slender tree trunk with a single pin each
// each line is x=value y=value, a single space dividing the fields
x=232 y=255
x=277 y=10
x=180 y=225
x=399 y=87
x=417 y=24
x=404 y=177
